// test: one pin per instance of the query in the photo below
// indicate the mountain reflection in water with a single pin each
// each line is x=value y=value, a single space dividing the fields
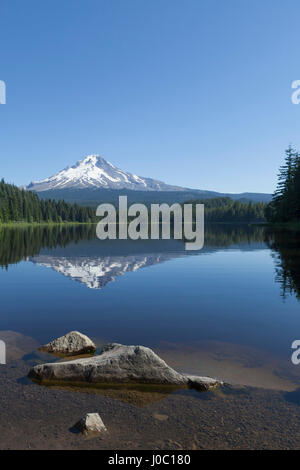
x=75 y=252
x=95 y=272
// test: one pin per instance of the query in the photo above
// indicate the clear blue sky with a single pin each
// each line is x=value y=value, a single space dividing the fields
x=192 y=92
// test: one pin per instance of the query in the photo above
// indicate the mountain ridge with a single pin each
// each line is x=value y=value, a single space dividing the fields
x=95 y=179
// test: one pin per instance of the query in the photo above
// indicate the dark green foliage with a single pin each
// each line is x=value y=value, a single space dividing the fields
x=285 y=205
x=224 y=209
x=17 y=205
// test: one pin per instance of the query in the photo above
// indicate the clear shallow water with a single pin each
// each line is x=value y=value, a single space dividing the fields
x=218 y=311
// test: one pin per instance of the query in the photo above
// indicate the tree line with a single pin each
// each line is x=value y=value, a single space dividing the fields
x=18 y=205
x=225 y=209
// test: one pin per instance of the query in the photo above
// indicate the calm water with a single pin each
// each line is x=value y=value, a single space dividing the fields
x=229 y=308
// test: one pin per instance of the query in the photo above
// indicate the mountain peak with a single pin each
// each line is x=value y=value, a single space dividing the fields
x=96 y=172
x=92 y=159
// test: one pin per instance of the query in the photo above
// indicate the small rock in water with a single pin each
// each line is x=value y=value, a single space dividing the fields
x=203 y=383
x=71 y=344
x=91 y=423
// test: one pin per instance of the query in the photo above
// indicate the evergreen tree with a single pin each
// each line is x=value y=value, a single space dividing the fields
x=285 y=205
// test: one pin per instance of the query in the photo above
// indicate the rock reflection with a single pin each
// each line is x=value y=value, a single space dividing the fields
x=139 y=395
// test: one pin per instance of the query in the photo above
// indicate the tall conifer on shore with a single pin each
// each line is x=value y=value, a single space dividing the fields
x=285 y=205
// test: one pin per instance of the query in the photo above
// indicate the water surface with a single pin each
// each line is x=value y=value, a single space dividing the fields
x=230 y=310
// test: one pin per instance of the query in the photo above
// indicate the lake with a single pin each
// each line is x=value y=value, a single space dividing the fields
x=230 y=310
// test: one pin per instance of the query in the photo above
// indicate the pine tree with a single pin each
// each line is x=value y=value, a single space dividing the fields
x=285 y=205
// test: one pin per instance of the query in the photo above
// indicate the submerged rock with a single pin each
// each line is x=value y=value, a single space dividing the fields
x=91 y=423
x=202 y=383
x=71 y=344
x=119 y=364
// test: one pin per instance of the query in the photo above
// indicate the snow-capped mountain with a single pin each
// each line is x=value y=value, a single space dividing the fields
x=96 y=172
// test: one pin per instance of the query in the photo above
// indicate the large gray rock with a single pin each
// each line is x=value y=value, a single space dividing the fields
x=118 y=364
x=91 y=423
x=71 y=344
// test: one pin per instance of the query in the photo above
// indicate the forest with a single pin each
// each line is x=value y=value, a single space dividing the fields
x=224 y=209
x=18 y=205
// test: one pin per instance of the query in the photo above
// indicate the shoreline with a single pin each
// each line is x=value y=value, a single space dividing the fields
x=232 y=418
x=50 y=224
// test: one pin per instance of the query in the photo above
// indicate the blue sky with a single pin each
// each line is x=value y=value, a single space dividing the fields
x=195 y=92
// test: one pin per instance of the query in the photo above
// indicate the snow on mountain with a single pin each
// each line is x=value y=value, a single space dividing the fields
x=96 y=172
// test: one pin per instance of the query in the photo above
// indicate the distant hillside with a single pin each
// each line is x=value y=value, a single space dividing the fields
x=94 y=197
